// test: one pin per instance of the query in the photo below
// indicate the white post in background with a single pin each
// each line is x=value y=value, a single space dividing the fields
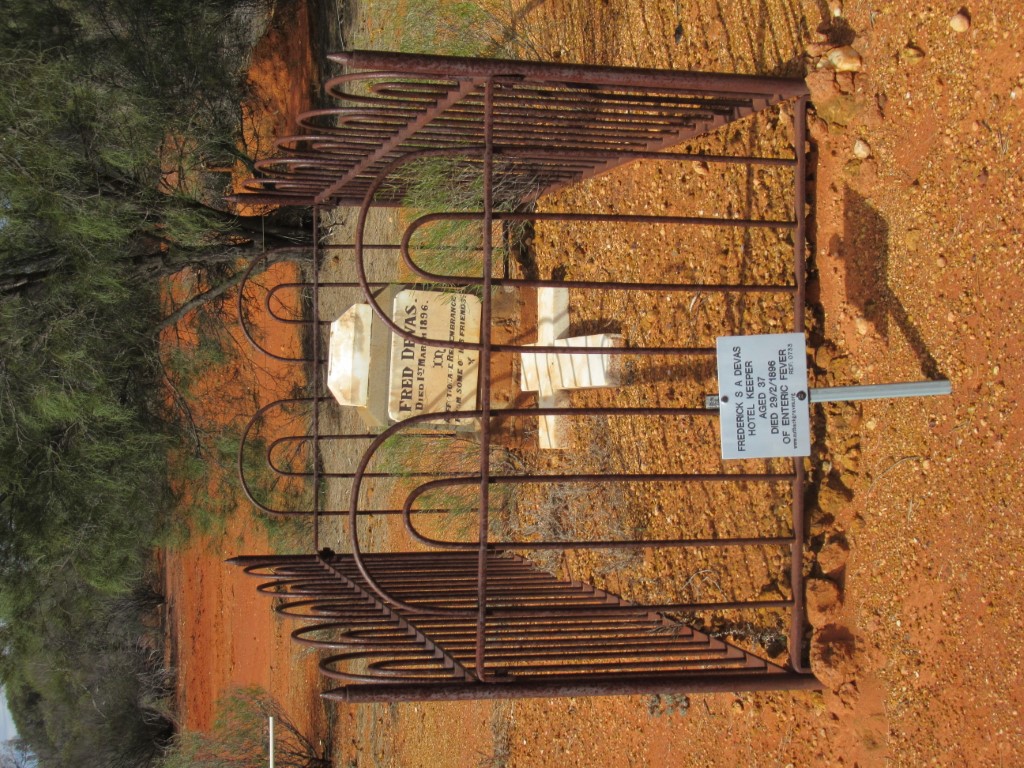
x=270 y=721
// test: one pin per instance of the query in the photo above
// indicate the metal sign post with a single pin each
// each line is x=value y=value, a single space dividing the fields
x=881 y=391
x=764 y=398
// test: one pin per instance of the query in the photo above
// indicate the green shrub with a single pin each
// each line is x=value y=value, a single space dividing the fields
x=240 y=738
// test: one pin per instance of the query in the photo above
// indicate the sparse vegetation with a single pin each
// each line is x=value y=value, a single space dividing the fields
x=452 y=247
x=449 y=456
x=662 y=704
x=492 y=28
x=119 y=120
x=240 y=738
x=501 y=737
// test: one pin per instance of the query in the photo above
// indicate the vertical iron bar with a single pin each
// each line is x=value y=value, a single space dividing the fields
x=712 y=83
x=315 y=372
x=667 y=683
x=799 y=214
x=485 y=381
x=797 y=626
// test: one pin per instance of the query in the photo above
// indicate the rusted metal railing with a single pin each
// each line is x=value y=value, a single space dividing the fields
x=544 y=635
x=466 y=616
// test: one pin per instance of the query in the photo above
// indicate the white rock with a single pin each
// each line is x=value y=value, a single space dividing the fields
x=960 y=22
x=861 y=149
x=845 y=59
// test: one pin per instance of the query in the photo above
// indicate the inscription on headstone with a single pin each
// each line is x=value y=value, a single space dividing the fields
x=433 y=379
x=764 y=403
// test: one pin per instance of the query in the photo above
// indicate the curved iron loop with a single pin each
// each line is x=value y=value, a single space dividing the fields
x=354 y=511
x=240 y=300
x=244 y=441
x=503 y=546
x=396 y=329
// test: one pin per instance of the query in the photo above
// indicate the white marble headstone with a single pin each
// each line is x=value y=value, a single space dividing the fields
x=433 y=379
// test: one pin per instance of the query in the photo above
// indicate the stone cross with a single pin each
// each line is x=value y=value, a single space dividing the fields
x=553 y=374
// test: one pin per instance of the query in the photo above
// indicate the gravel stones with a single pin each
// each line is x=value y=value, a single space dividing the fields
x=845 y=58
x=833 y=556
x=912 y=54
x=834 y=501
x=822 y=85
x=832 y=657
x=960 y=22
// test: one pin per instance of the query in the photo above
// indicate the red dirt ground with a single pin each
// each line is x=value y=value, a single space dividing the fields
x=917 y=250
x=222 y=632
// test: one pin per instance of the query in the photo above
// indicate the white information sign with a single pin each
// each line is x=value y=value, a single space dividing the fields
x=764 y=402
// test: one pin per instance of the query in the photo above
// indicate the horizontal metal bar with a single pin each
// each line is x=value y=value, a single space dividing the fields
x=649 y=79
x=661 y=683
